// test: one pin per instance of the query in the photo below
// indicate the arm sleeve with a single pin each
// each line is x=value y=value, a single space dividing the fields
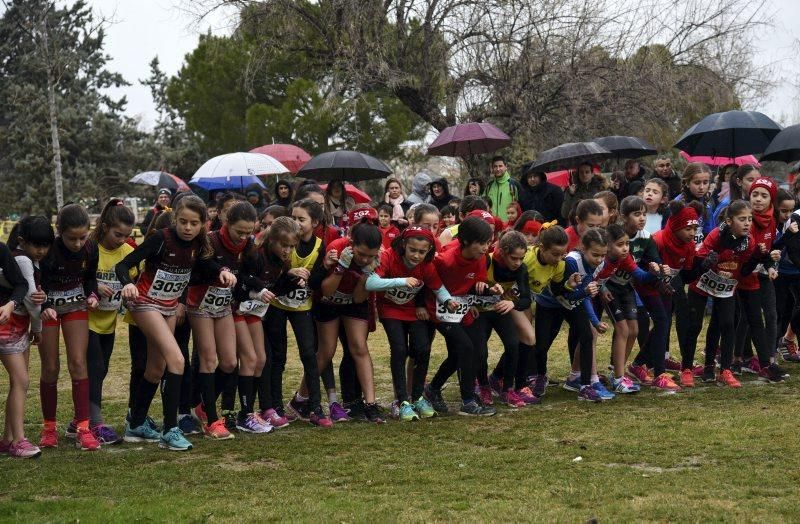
x=442 y=296
x=26 y=271
x=318 y=272
x=90 y=274
x=149 y=248
x=792 y=241
x=642 y=276
x=376 y=283
x=523 y=302
x=589 y=307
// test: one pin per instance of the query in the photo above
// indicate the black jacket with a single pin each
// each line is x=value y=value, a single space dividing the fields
x=546 y=198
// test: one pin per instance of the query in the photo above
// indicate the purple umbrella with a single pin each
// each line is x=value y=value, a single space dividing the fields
x=468 y=139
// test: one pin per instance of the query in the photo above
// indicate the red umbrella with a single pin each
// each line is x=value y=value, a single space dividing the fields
x=468 y=139
x=559 y=178
x=291 y=156
x=353 y=192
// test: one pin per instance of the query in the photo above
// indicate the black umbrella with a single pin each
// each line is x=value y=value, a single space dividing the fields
x=568 y=156
x=729 y=134
x=344 y=165
x=626 y=146
x=785 y=147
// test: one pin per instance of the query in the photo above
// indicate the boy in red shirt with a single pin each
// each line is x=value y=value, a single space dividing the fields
x=388 y=230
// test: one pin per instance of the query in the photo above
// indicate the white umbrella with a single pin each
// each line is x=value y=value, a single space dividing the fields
x=236 y=170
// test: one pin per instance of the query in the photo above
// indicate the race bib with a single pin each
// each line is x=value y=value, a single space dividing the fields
x=716 y=285
x=295 y=298
x=216 y=299
x=402 y=295
x=463 y=302
x=485 y=302
x=168 y=286
x=113 y=302
x=620 y=277
x=339 y=299
x=66 y=297
x=670 y=274
x=255 y=308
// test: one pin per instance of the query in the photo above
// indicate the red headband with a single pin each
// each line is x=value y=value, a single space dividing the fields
x=769 y=185
x=531 y=227
x=365 y=214
x=686 y=217
x=483 y=215
x=418 y=232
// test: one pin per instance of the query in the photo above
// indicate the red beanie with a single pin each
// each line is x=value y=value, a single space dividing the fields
x=769 y=185
x=686 y=217
x=483 y=215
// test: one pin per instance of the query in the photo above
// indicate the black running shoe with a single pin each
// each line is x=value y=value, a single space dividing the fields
x=473 y=409
x=709 y=374
x=355 y=409
x=373 y=413
x=230 y=420
x=736 y=368
x=771 y=373
x=435 y=399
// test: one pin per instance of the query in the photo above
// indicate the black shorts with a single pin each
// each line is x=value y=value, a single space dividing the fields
x=328 y=312
x=623 y=305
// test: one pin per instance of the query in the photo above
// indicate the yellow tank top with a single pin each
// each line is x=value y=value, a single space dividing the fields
x=299 y=299
x=540 y=275
x=104 y=320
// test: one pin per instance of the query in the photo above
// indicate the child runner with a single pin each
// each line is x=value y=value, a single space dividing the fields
x=170 y=255
x=588 y=214
x=610 y=204
x=388 y=230
x=111 y=235
x=70 y=281
x=786 y=286
x=21 y=296
x=656 y=193
x=404 y=270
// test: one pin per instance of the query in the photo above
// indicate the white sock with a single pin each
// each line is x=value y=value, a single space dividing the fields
x=299 y=397
x=332 y=397
x=574 y=375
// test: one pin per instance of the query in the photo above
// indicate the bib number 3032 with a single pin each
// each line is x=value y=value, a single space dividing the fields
x=463 y=304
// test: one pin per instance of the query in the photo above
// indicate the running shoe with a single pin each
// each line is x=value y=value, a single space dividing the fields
x=274 y=418
x=199 y=414
x=602 y=391
x=24 y=450
x=49 y=437
x=572 y=384
x=435 y=398
x=687 y=378
x=174 y=440
x=512 y=400
x=640 y=374
x=588 y=393
x=664 y=382
x=624 y=385
x=424 y=408
x=698 y=370
x=106 y=434
x=771 y=373
x=540 y=385
x=372 y=413
x=338 y=413
x=143 y=433
x=355 y=410
x=527 y=396
x=252 y=423
x=230 y=418
x=709 y=374
x=752 y=365
x=792 y=354
x=318 y=418
x=298 y=409
x=86 y=441
x=486 y=395
x=152 y=423
x=216 y=430
x=407 y=413
x=736 y=367
x=72 y=429
x=726 y=378
x=670 y=364
x=473 y=409
x=496 y=383
x=187 y=424
x=394 y=410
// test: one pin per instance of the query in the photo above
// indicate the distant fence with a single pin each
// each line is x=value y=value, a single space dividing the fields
x=6 y=225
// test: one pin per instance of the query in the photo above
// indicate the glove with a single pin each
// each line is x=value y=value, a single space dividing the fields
x=711 y=260
x=345 y=257
x=371 y=267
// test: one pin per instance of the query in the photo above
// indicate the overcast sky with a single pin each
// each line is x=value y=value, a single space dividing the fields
x=143 y=29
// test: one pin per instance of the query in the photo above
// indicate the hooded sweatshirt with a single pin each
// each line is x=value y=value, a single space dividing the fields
x=444 y=199
x=502 y=190
x=261 y=205
x=419 y=189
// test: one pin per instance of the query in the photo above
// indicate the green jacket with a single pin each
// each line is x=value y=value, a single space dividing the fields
x=502 y=191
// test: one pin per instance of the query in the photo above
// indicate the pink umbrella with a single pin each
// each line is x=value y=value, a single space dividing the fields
x=468 y=139
x=353 y=192
x=291 y=156
x=721 y=160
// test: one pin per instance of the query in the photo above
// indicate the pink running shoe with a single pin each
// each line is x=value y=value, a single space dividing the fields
x=512 y=400
x=527 y=396
x=486 y=395
x=274 y=418
x=671 y=364
x=641 y=374
x=664 y=382
x=24 y=449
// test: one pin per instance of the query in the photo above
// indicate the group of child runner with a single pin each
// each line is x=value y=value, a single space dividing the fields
x=233 y=288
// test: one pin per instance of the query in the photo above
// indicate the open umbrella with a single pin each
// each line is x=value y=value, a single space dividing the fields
x=289 y=155
x=344 y=165
x=358 y=196
x=568 y=156
x=785 y=147
x=729 y=134
x=468 y=139
x=721 y=160
x=160 y=179
x=235 y=171
x=626 y=146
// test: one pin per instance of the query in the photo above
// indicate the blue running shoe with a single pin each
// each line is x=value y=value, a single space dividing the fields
x=188 y=425
x=602 y=391
x=143 y=433
x=572 y=384
x=174 y=440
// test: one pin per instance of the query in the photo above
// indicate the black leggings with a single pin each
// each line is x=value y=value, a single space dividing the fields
x=654 y=348
x=137 y=344
x=182 y=334
x=98 y=356
x=723 y=311
x=784 y=301
x=765 y=297
x=275 y=338
x=680 y=305
x=407 y=340
x=460 y=357
x=507 y=331
x=547 y=327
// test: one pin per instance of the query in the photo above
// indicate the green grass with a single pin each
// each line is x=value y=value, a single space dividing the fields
x=710 y=454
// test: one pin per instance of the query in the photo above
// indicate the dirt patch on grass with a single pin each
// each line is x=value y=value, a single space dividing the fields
x=692 y=462
x=235 y=463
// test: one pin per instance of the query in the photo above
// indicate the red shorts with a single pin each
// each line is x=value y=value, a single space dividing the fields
x=66 y=317
x=250 y=319
x=14 y=335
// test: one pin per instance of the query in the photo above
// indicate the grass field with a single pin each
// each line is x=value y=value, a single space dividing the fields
x=709 y=454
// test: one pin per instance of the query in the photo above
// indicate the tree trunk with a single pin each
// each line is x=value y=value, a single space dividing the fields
x=51 y=102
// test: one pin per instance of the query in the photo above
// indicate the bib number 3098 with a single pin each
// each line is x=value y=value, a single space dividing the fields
x=716 y=285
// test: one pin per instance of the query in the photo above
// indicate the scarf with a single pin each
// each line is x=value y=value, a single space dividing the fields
x=397 y=209
x=225 y=237
x=765 y=221
x=734 y=243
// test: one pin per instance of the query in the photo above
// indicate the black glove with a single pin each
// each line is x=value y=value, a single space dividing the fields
x=710 y=261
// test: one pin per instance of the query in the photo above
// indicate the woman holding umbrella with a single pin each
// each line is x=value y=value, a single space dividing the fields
x=583 y=184
x=337 y=202
x=393 y=195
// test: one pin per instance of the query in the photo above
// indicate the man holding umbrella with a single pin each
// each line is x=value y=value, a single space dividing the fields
x=502 y=190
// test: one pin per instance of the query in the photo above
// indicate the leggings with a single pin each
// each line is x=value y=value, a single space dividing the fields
x=548 y=325
x=407 y=340
x=765 y=297
x=137 y=343
x=505 y=329
x=460 y=357
x=784 y=301
x=724 y=309
x=98 y=356
x=682 y=316
x=654 y=349
x=275 y=337
x=182 y=334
